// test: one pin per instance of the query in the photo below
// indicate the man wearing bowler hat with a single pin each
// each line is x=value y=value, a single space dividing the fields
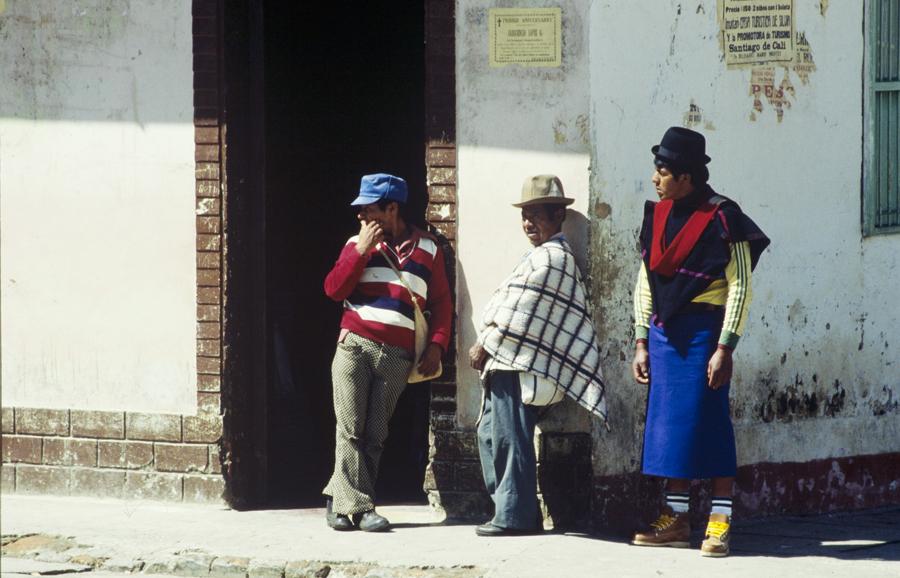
x=377 y=275
x=690 y=307
x=536 y=345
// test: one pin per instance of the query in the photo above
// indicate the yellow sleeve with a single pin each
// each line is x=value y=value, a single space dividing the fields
x=643 y=304
x=737 y=305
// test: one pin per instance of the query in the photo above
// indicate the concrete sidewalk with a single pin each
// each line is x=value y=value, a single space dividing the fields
x=108 y=537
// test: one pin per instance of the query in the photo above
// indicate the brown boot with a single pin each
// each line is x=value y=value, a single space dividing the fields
x=718 y=535
x=671 y=529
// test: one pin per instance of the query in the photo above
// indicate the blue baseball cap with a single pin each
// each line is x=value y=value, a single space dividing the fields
x=380 y=186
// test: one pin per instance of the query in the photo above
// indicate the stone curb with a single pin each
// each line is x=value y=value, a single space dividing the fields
x=200 y=564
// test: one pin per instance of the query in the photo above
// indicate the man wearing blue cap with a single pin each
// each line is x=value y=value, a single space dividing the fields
x=383 y=274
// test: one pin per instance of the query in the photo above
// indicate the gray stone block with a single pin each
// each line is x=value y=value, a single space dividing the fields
x=229 y=567
x=192 y=564
x=266 y=569
x=122 y=565
x=162 y=564
x=300 y=569
x=308 y=569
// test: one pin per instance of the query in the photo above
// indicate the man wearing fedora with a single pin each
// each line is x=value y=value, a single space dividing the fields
x=376 y=344
x=536 y=344
x=690 y=307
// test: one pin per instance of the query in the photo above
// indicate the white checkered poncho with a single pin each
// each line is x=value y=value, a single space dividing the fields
x=538 y=321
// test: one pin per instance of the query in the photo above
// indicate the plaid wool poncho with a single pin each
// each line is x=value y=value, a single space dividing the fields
x=538 y=321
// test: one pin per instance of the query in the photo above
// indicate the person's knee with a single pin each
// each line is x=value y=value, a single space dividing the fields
x=351 y=436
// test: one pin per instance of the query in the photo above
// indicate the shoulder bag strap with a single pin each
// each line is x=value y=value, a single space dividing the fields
x=412 y=294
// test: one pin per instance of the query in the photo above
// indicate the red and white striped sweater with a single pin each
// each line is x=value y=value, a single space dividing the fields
x=377 y=305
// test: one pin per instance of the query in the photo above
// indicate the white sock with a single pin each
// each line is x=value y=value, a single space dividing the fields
x=721 y=506
x=678 y=501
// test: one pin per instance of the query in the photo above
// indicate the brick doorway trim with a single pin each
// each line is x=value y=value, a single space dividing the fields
x=243 y=251
x=453 y=478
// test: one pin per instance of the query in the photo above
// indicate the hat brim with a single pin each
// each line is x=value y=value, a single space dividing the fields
x=545 y=201
x=655 y=150
x=362 y=200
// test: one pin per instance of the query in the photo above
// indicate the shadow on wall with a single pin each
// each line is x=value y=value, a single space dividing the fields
x=577 y=229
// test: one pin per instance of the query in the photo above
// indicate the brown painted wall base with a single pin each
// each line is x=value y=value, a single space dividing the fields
x=623 y=503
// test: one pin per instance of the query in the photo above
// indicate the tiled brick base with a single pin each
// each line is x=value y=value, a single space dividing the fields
x=112 y=454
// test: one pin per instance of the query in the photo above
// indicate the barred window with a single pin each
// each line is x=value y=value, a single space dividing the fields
x=881 y=182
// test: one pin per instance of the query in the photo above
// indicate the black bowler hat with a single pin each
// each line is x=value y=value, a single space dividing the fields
x=683 y=147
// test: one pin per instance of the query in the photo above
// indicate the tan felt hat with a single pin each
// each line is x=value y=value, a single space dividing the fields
x=542 y=189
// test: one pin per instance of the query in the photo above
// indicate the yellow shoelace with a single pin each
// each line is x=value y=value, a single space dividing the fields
x=717 y=529
x=663 y=522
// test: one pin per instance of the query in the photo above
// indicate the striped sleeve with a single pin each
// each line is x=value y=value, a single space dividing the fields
x=737 y=305
x=643 y=304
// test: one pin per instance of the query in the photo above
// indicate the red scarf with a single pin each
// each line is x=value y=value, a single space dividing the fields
x=666 y=260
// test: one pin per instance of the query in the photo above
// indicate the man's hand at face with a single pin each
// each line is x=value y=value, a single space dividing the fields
x=719 y=369
x=431 y=358
x=370 y=234
x=477 y=357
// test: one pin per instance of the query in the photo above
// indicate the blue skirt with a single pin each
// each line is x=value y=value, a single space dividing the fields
x=688 y=432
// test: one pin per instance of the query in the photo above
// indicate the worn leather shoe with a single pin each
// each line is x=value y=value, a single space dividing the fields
x=339 y=522
x=671 y=529
x=371 y=521
x=490 y=530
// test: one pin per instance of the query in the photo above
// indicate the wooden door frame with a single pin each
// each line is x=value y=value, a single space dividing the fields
x=244 y=369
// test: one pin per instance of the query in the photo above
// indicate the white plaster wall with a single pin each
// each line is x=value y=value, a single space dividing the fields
x=97 y=223
x=512 y=123
x=824 y=320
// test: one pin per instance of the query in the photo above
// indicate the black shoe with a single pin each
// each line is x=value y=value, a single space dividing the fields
x=370 y=521
x=339 y=522
x=490 y=530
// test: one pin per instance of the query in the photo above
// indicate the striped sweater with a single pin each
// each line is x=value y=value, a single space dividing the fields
x=378 y=306
x=734 y=293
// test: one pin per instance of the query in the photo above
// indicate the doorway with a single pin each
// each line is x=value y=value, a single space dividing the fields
x=344 y=96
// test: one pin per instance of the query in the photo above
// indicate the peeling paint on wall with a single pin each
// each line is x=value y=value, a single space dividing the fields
x=780 y=95
x=583 y=124
x=694 y=118
x=804 y=64
x=559 y=131
x=602 y=210
x=823 y=7
x=763 y=84
x=578 y=134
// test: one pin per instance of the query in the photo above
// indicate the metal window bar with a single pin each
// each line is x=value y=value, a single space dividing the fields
x=882 y=182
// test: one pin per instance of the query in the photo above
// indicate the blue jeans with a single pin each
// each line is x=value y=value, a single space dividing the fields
x=506 y=448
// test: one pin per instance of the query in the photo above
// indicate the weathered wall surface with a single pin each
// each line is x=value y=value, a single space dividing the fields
x=814 y=396
x=97 y=205
x=816 y=373
x=513 y=122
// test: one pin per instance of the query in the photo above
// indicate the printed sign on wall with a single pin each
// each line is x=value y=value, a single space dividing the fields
x=757 y=32
x=525 y=36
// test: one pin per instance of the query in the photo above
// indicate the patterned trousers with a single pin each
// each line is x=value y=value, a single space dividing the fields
x=368 y=378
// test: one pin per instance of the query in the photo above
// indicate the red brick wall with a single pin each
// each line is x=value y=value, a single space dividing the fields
x=453 y=478
x=128 y=454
